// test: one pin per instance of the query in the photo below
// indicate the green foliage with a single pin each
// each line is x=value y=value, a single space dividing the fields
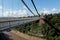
x=51 y=33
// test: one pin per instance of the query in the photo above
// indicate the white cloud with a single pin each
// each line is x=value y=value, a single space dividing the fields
x=1 y=7
x=23 y=13
x=15 y=13
x=47 y=11
x=54 y=10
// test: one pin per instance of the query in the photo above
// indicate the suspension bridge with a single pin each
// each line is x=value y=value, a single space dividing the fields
x=6 y=23
x=10 y=22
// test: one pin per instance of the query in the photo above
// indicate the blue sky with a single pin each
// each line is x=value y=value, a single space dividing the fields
x=45 y=6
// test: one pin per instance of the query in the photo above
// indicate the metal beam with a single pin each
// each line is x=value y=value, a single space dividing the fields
x=27 y=7
x=35 y=7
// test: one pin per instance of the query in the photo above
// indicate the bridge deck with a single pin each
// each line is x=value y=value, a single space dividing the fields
x=8 y=23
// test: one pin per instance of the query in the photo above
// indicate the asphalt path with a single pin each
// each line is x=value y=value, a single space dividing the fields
x=10 y=36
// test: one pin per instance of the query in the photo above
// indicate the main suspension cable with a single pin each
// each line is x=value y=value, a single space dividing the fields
x=35 y=7
x=27 y=7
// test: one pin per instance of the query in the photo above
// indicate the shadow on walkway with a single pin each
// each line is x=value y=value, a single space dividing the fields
x=4 y=37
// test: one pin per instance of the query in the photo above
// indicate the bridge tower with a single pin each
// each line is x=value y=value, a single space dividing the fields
x=41 y=21
x=42 y=16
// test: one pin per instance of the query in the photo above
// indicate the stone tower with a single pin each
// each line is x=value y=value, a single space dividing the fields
x=41 y=21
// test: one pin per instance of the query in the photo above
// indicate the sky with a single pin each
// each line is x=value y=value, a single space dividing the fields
x=15 y=8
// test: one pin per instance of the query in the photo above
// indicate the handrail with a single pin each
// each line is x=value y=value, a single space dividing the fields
x=13 y=20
